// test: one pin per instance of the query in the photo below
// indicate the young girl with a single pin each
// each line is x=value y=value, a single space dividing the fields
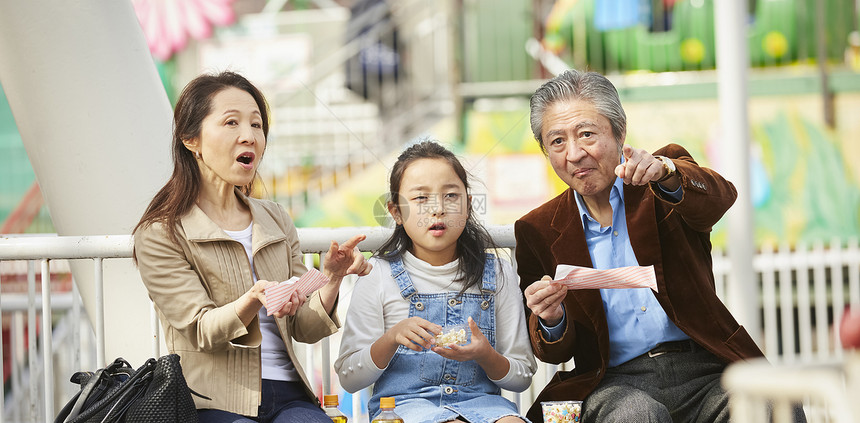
x=434 y=273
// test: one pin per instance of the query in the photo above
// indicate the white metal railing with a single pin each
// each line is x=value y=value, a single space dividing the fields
x=803 y=294
x=815 y=284
x=805 y=360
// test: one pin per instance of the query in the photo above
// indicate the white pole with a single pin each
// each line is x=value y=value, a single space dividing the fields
x=732 y=67
x=32 y=354
x=98 y=276
x=325 y=353
x=47 y=343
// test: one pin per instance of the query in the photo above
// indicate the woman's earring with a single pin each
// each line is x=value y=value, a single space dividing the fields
x=197 y=154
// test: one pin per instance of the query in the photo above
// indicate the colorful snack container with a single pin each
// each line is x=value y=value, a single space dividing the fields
x=561 y=411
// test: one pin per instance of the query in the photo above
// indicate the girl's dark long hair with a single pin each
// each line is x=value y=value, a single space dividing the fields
x=472 y=243
x=180 y=192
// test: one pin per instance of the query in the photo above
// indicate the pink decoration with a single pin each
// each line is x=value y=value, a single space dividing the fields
x=167 y=24
x=849 y=329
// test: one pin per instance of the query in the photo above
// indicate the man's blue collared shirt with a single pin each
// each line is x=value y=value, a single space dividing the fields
x=637 y=322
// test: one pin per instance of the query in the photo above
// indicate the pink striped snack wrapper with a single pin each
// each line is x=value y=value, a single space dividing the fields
x=576 y=277
x=278 y=295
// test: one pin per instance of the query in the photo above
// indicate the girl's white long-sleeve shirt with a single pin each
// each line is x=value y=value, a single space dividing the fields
x=377 y=305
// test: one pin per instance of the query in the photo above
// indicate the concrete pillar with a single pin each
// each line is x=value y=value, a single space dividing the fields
x=96 y=124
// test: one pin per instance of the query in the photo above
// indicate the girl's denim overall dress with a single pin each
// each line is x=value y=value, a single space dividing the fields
x=430 y=388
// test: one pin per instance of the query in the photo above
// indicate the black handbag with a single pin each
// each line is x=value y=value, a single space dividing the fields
x=155 y=392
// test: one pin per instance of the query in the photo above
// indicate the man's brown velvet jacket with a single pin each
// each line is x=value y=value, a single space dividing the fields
x=673 y=237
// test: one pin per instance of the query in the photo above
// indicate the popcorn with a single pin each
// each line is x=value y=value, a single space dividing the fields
x=561 y=411
x=455 y=335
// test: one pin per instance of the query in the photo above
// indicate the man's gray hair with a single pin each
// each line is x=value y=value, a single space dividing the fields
x=575 y=85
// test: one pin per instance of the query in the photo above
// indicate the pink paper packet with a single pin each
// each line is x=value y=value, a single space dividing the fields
x=278 y=295
x=577 y=277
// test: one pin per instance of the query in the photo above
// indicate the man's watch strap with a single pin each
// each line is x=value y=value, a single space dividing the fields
x=668 y=166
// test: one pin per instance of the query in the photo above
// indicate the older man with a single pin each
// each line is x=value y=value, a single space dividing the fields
x=640 y=355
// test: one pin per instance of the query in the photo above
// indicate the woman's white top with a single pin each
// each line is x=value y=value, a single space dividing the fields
x=376 y=306
x=275 y=361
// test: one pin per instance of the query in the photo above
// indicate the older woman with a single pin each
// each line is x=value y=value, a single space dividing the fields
x=207 y=251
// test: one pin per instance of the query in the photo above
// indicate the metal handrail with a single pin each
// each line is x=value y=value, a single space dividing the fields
x=312 y=240
x=776 y=268
x=97 y=248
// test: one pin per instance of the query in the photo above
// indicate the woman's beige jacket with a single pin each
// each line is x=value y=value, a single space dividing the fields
x=194 y=285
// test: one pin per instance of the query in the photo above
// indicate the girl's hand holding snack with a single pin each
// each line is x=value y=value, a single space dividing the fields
x=414 y=333
x=452 y=335
x=494 y=364
x=479 y=347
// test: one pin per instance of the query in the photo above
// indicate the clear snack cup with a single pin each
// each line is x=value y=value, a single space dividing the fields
x=561 y=411
x=453 y=335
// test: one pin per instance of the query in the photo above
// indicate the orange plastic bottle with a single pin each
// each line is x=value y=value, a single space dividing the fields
x=330 y=403
x=387 y=415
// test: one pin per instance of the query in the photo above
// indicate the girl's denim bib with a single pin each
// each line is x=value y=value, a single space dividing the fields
x=425 y=374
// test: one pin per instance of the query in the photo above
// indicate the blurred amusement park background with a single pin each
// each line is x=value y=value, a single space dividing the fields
x=351 y=82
